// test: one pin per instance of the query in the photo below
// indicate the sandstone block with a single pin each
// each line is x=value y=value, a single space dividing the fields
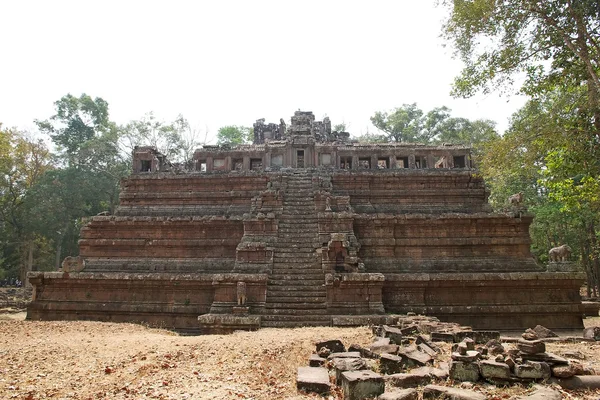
x=334 y=346
x=313 y=380
x=410 y=330
x=542 y=393
x=411 y=356
x=363 y=352
x=531 y=346
x=464 y=371
x=316 y=361
x=420 y=339
x=362 y=384
x=407 y=380
x=426 y=349
x=394 y=334
x=403 y=394
x=592 y=333
x=345 y=354
x=568 y=371
x=442 y=337
x=434 y=373
x=471 y=356
x=543 y=332
x=347 y=364
x=444 y=392
x=495 y=347
x=549 y=358
x=579 y=382
x=533 y=370
x=390 y=364
x=494 y=370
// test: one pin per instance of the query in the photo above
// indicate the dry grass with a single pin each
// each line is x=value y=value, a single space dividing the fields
x=93 y=360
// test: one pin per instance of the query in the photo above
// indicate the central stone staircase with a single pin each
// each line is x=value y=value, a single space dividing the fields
x=296 y=293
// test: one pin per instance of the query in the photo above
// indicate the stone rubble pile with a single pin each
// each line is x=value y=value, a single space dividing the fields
x=402 y=358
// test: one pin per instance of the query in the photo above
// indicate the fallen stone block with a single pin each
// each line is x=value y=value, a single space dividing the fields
x=403 y=394
x=533 y=370
x=334 y=346
x=434 y=373
x=313 y=380
x=574 y=354
x=362 y=384
x=495 y=347
x=592 y=333
x=543 y=332
x=529 y=334
x=482 y=337
x=426 y=349
x=384 y=348
x=568 y=371
x=549 y=358
x=444 y=392
x=407 y=380
x=346 y=354
x=579 y=382
x=494 y=370
x=411 y=356
x=316 y=361
x=410 y=330
x=390 y=364
x=394 y=334
x=531 y=346
x=366 y=353
x=346 y=364
x=471 y=356
x=469 y=343
x=420 y=339
x=464 y=371
x=542 y=393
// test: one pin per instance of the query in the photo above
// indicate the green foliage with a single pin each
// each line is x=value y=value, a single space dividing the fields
x=234 y=135
x=410 y=124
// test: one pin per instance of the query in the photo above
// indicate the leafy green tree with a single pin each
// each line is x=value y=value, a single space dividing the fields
x=234 y=135
x=402 y=124
x=552 y=43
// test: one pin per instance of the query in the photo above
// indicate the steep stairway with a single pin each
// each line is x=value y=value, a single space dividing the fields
x=296 y=293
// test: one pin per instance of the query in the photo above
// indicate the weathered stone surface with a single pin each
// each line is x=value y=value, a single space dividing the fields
x=426 y=349
x=402 y=394
x=434 y=373
x=410 y=330
x=530 y=334
x=471 y=356
x=420 y=339
x=570 y=370
x=549 y=358
x=573 y=354
x=543 y=332
x=346 y=364
x=464 y=371
x=313 y=380
x=379 y=347
x=469 y=343
x=579 y=382
x=495 y=347
x=362 y=384
x=592 y=333
x=542 y=393
x=411 y=356
x=363 y=352
x=442 y=337
x=533 y=370
x=494 y=370
x=444 y=392
x=316 y=361
x=390 y=364
x=409 y=379
x=394 y=334
x=334 y=346
x=345 y=354
x=531 y=346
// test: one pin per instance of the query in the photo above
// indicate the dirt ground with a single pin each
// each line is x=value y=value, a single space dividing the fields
x=94 y=360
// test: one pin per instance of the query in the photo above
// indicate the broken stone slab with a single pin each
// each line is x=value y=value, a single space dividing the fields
x=313 y=380
x=529 y=334
x=495 y=347
x=390 y=364
x=394 y=334
x=366 y=353
x=316 y=361
x=420 y=339
x=464 y=371
x=574 y=354
x=469 y=343
x=411 y=356
x=346 y=364
x=408 y=380
x=549 y=358
x=362 y=384
x=482 y=337
x=334 y=346
x=531 y=346
x=426 y=349
x=533 y=370
x=542 y=393
x=434 y=373
x=410 y=330
x=568 y=371
x=543 y=332
x=403 y=394
x=494 y=370
x=381 y=348
x=471 y=356
x=444 y=392
x=592 y=333
x=345 y=354
x=579 y=382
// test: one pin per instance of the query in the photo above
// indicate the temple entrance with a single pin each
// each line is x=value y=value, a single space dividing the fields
x=299 y=158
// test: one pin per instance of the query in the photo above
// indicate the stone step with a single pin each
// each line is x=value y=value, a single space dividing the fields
x=296 y=282
x=286 y=269
x=296 y=318
x=294 y=296
x=295 y=305
x=291 y=289
x=288 y=325
x=281 y=313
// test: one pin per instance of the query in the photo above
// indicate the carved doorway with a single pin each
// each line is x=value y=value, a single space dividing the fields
x=299 y=158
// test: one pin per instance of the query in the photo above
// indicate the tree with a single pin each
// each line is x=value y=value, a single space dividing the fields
x=234 y=135
x=553 y=43
x=403 y=124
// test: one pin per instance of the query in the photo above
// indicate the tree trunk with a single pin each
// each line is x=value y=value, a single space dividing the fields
x=58 y=251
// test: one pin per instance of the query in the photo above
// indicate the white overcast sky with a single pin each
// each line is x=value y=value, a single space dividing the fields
x=231 y=62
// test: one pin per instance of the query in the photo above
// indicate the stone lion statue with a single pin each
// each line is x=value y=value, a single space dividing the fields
x=560 y=253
